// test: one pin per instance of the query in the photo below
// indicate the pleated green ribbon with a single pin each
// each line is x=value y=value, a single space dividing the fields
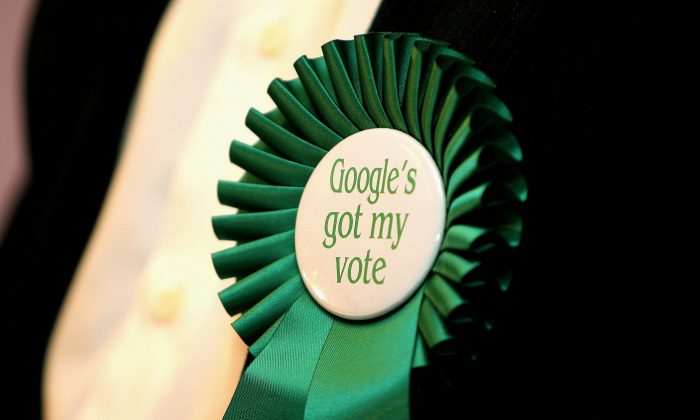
x=327 y=367
x=308 y=363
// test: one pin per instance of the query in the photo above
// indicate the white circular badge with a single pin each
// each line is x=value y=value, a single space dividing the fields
x=370 y=223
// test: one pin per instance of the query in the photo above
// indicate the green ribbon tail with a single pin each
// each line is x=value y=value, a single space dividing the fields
x=276 y=383
x=365 y=367
x=319 y=366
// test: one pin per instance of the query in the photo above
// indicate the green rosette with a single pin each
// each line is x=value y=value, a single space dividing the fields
x=308 y=363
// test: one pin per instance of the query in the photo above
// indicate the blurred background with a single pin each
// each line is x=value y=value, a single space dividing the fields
x=68 y=72
x=115 y=118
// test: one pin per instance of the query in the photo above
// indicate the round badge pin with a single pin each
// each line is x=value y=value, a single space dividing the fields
x=370 y=223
